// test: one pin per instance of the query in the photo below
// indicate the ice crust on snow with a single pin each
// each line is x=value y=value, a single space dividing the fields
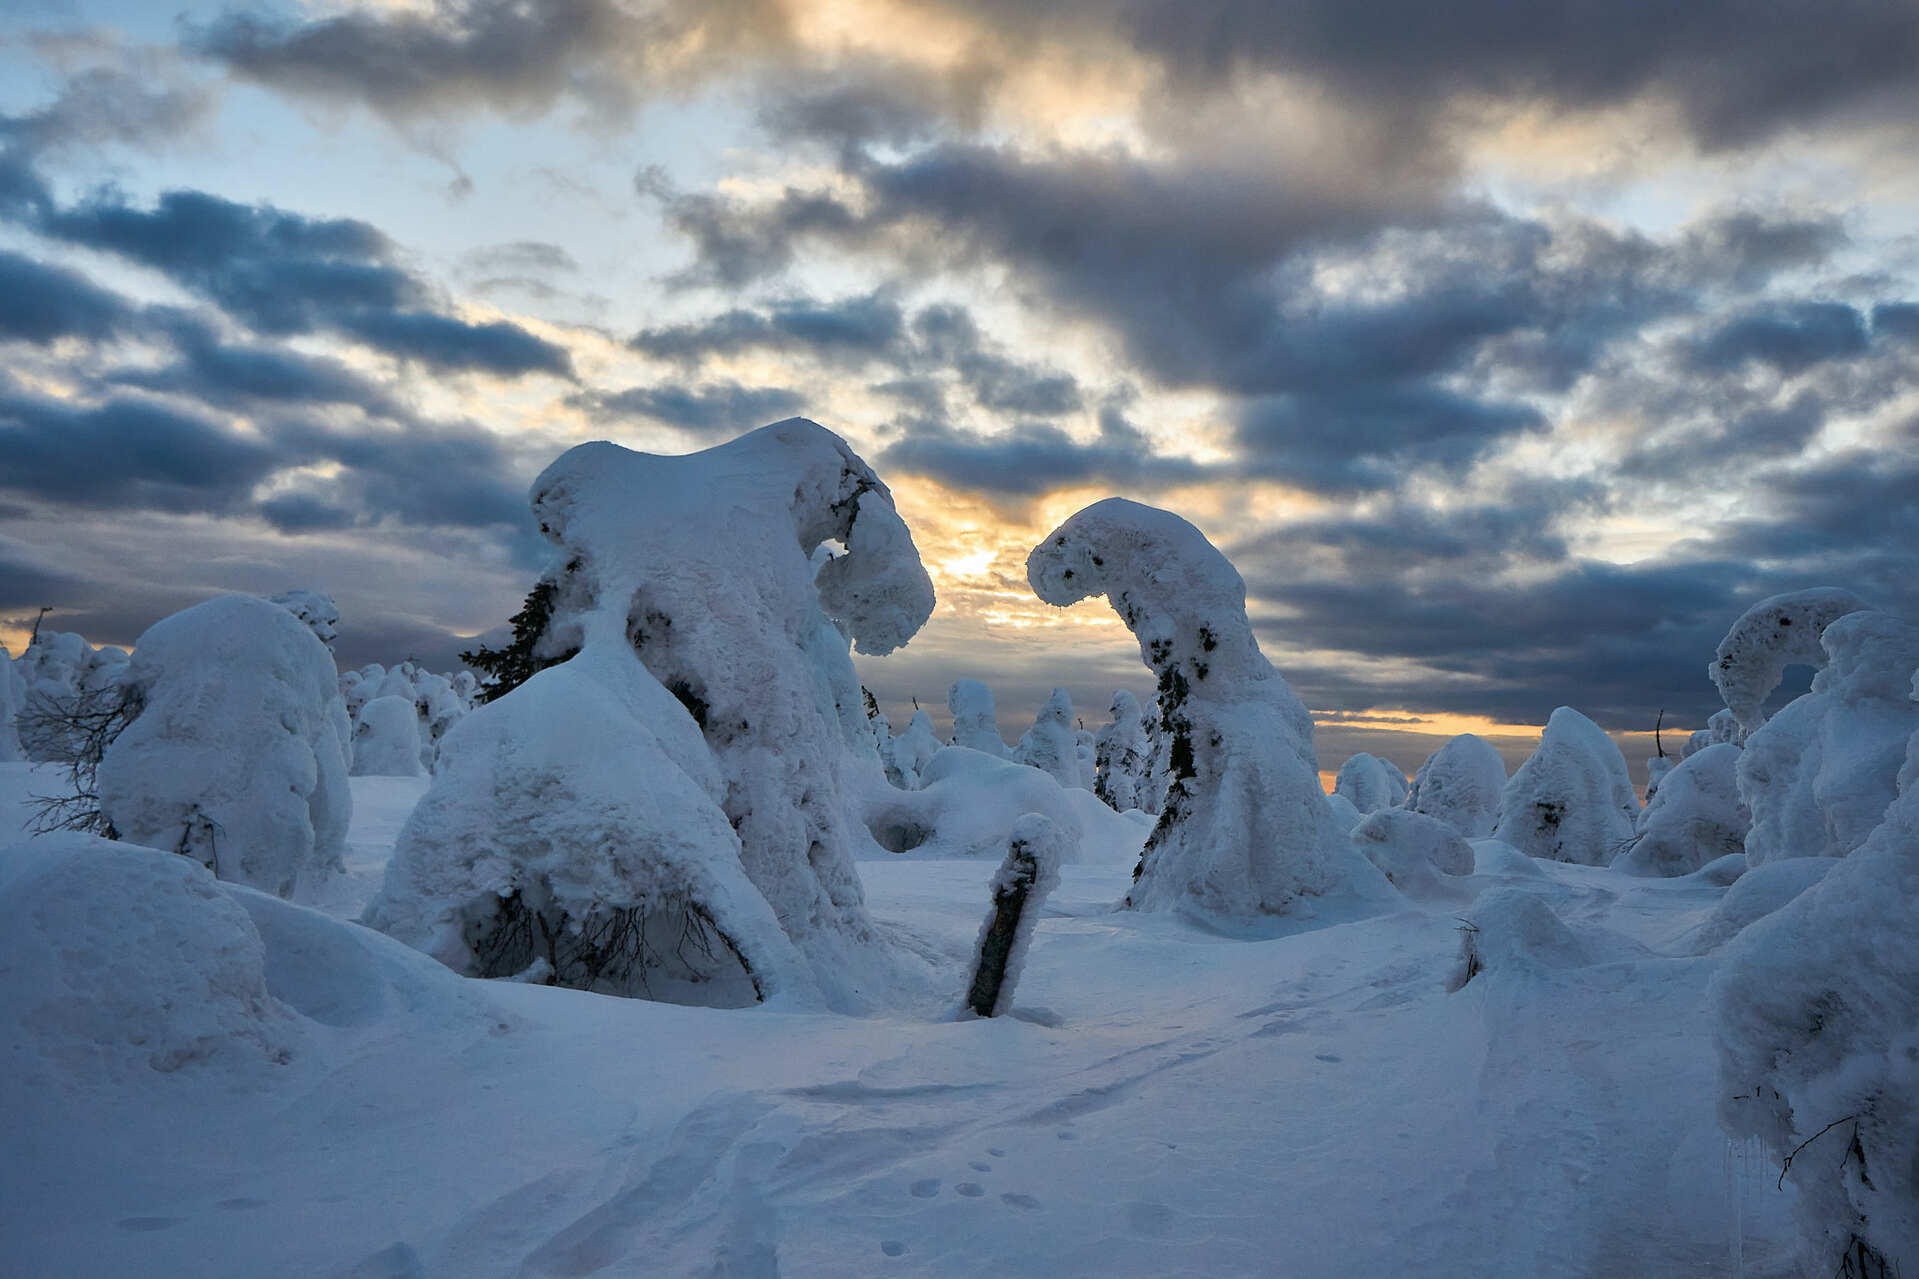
x=1572 y=800
x=1245 y=830
x=975 y=722
x=1773 y=634
x=1460 y=784
x=1371 y=783
x=1695 y=817
x=1818 y=776
x=239 y=755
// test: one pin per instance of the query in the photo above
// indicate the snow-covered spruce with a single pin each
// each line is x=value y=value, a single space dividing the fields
x=1460 y=784
x=914 y=749
x=576 y=823
x=386 y=739
x=1819 y=775
x=1050 y=745
x=1773 y=634
x=1371 y=783
x=689 y=579
x=1123 y=755
x=1721 y=726
x=238 y=757
x=1572 y=800
x=1245 y=830
x=9 y=706
x=975 y=723
x=1020 y=887
x=1696 y=816
x=315 y=608
x=1818 y=1036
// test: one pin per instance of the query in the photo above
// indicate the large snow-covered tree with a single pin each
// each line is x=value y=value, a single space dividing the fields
x=1245 y=830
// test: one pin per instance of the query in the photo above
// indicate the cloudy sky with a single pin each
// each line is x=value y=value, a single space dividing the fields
x=1509 y=352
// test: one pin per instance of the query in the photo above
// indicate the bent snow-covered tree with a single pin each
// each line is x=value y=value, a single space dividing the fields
x=1773 y=634
x=687 y=588
x=1245 y=830
x=238 y=757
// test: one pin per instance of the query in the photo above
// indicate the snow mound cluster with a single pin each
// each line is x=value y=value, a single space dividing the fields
x=1460 y=784
x=691 y=766
x=437 y=702
x=1819 y=775
x=1245 y=830
x=1696 y=816
x=238 y=757
x=1572 y=800
x=1413 y=850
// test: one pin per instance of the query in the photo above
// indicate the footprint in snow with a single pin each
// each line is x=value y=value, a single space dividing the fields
x=1020 y=1201
x=977 y=1166
x=971 y=1189
x=892 y=1247
x=925 y=1188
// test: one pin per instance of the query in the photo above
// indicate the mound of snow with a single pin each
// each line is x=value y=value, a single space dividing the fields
x=1572 y=800
x=1758 y=893
x=1695 y=817
x=1460 y=784
x=1413 y=850
x=1496 y=857
x=386 y=740
x=119 y=963
x=1245 y=829
x=1820 y=774
x=239 y=756
x=1513 y=930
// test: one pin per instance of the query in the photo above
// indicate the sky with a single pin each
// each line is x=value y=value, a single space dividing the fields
x=1508 y=353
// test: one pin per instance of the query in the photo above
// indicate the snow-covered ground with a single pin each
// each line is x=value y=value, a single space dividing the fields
x=1162 y=1101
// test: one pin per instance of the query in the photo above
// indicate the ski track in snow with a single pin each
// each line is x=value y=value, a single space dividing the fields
x=1160 y=1102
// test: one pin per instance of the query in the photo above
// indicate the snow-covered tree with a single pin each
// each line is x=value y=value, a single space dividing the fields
x=238 y=757
x=1050 y=744
x=1695 y=816
x=9 y=706
x=1819 y=775
x=1371 y=783
x=1415 y=852
x=1460 y=784
x=316 y=609
x=1773 y=634
x=1572 y=800
x=1123 y=755
x=1020 y=887
x=692 y=575
x=386 y=739
x=1818 y=1037
x=1245 y=830
x=975 y=723
x=914 y=749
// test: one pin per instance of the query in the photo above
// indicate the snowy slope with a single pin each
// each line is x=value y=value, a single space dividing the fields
x=1162 y=1101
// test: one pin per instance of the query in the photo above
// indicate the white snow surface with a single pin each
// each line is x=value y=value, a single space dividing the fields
x=1695 y=817
x=1773 y=634
x=1819 y=775
x=1245 y=833
x=1572 y=800
x=1371 y=783
x=240 y=752
x=1460 y=784
x=1158 y=1100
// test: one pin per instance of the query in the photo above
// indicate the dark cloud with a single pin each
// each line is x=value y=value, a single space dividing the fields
x=443 y=475
x=948 y=335
x=40 y=303
x=126 y=453
x=1725 y=445
x=1791 y=337
x=109 y=104
x=515 y=56
x=31 y=587
x=284 y=274
x=222 y=373
x=852 y=331
x=736 y=244
x=714 y=408
x=1032 y=458
x=1896 y=320
x=1370 y=438
x=529 y=257
x=295 y=513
